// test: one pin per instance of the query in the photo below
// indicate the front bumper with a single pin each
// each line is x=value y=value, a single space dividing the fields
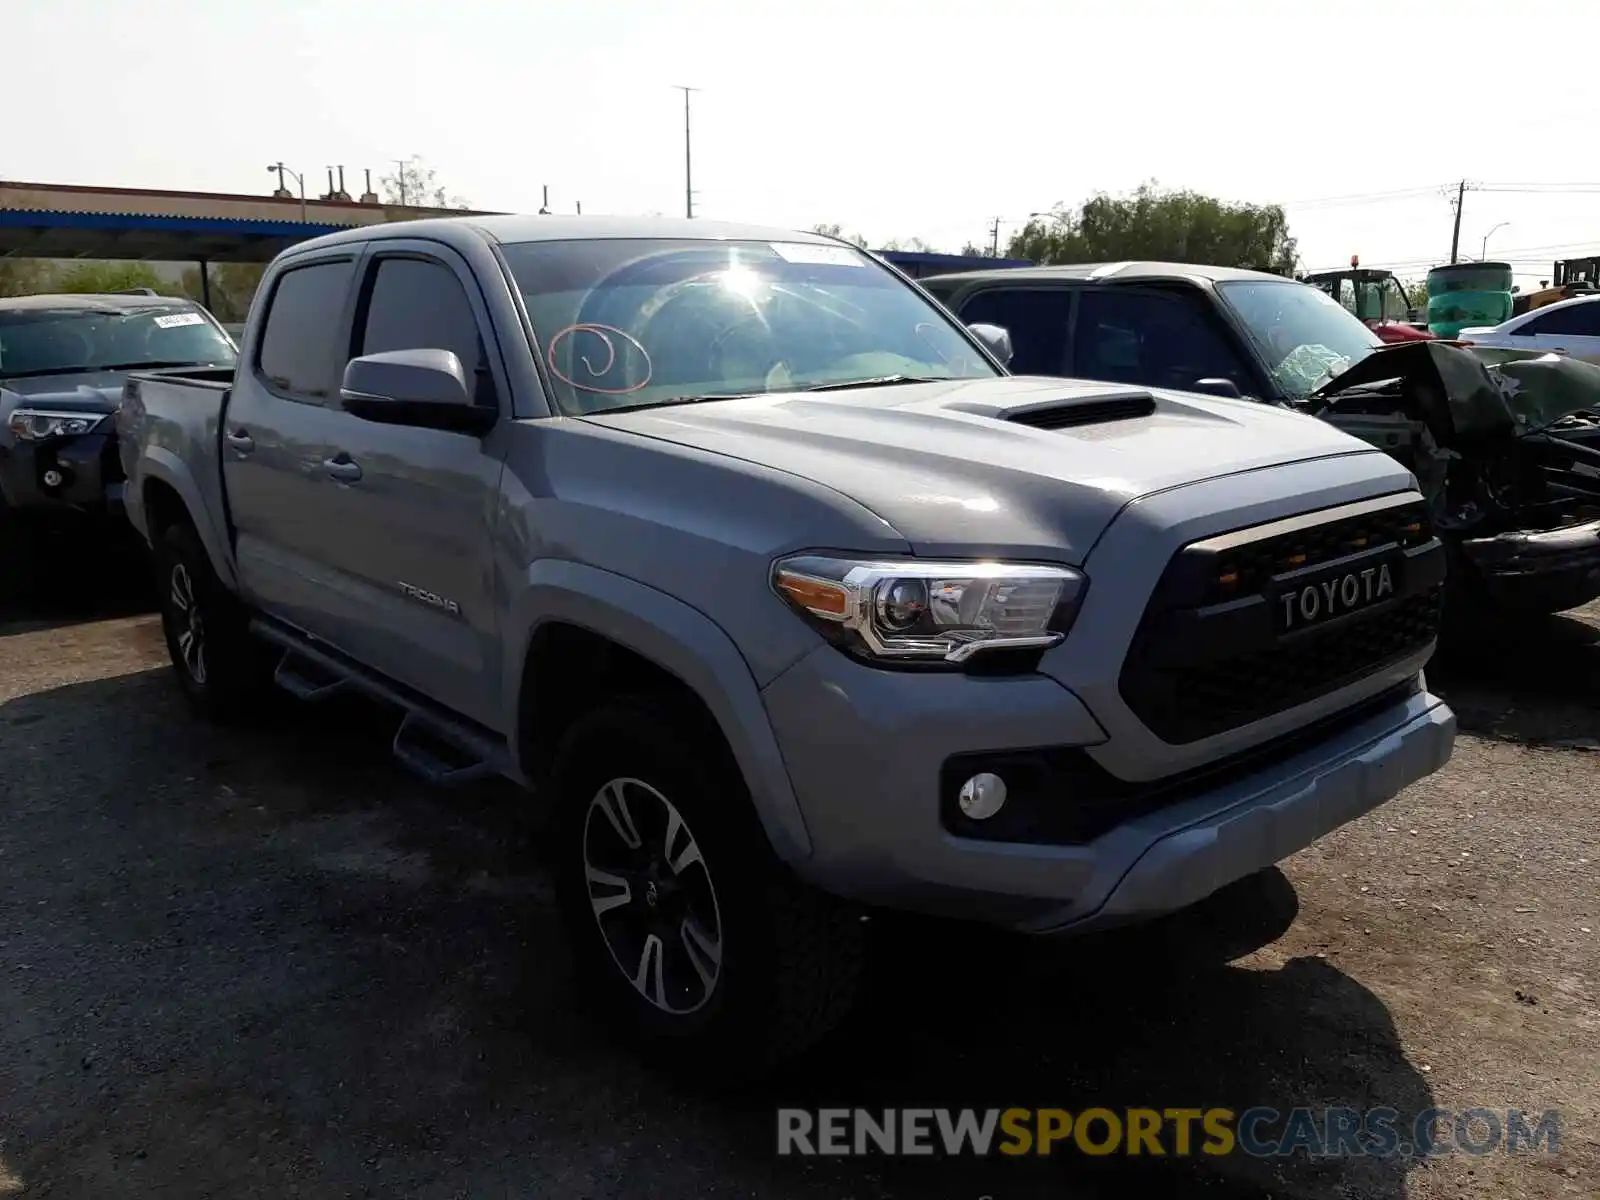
x=91 y=475
x=1549 y=570
x=873 y=813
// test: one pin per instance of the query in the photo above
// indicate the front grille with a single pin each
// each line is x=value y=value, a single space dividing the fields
x=1195 y=575
x=1207 y=657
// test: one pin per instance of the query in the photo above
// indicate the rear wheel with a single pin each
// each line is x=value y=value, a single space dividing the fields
x=224 y=672
x=697 y=940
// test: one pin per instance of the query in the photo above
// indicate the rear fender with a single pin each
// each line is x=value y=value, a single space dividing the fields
x=159 y=464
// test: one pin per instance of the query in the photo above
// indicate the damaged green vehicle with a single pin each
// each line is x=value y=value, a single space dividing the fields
x=1506 y=446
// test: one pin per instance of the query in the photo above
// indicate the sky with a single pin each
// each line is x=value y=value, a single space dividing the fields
x=894 y=119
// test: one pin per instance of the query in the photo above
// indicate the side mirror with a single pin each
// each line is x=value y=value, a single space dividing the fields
x=424 y=388
x=995 y=340
x=1226 y=388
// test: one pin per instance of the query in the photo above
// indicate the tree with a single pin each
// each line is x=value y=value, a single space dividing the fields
x=916 y=245
x=1416 y=291
x=1162 y=225
x=25 y=276
x=837 y=231
x=414 y=184
x=972 y=250
x=233 y=286
x=113 y=277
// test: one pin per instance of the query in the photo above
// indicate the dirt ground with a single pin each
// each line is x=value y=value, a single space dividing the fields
x=269 y=963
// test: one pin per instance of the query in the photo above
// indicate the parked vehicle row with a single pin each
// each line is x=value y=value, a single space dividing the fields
x=755 y=564
x=63 y=362
x=1508 y=453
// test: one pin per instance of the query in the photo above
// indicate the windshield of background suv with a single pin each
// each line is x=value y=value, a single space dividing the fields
x=631 y=322
x=82 y=337
x=1306 y=336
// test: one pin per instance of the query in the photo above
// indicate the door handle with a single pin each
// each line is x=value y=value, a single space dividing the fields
x=241 y=441
x=343 y=468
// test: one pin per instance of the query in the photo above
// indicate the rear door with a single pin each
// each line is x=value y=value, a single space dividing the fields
x=274 y=439
x=416 y=508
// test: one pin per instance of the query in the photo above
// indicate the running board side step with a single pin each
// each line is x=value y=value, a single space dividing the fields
x=432 y=742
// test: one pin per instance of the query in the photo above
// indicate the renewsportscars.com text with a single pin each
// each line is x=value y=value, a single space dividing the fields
x=1257 y=1132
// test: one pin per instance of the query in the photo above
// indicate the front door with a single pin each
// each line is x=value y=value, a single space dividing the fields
x=1571 y=329
x=416 y=508
x=1035 y=317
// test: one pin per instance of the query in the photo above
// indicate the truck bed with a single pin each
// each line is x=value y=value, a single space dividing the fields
x=169 y=431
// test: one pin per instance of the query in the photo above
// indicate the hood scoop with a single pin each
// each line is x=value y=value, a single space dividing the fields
x=1089 y=408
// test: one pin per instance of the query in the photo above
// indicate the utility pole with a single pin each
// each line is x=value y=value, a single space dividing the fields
x=994 y=239
x=544 y=209
x=688 y=157
x=1455 y=235
x=400 y=179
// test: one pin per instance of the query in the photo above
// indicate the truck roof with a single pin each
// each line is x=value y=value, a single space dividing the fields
x=1116 y=270
x=511 y=229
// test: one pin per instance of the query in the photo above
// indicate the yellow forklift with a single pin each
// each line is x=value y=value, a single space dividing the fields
x=1570 y=277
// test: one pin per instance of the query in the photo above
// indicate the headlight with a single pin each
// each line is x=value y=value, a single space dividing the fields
x=941 y=612
x=37 y=424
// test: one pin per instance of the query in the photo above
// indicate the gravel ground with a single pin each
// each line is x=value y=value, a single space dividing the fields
x=269 y=963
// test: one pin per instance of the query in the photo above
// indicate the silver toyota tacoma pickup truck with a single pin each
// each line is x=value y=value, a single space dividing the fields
x=759 y=567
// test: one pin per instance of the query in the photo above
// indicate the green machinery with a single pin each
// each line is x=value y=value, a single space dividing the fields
x=1463 y=294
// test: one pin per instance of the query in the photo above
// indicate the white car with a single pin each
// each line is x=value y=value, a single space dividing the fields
x=1570 y=327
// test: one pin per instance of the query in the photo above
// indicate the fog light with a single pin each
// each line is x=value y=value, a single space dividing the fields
x=54 y=478
x=982 y=796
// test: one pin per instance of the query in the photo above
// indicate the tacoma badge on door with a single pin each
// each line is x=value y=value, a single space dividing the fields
x=431 y=599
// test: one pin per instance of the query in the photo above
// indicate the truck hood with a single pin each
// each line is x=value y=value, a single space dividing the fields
x=92 y=391
x=1014 y=465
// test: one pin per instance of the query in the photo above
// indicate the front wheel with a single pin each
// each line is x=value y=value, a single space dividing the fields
x=693 y=935
x=223 y=670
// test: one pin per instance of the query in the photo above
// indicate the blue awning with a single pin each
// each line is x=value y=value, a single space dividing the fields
x=28 y=233
x=917 y=263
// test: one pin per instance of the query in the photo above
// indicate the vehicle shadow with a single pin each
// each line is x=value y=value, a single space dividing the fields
x=285 y=964
x=91 y=574
x=1152 y=1017
x=1525 y=679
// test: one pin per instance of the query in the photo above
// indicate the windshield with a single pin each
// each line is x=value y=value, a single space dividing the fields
x=84 y=338
x=1306 y=336
x=631 y=322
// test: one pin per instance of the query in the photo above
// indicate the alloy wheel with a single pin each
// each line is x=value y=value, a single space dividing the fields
x=652 y=896
x=187 y=626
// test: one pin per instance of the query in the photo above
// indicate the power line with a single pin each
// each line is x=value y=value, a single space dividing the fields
x=1539 y=187
x=1365 y=197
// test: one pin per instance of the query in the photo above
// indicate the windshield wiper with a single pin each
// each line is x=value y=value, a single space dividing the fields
x=153 y=363
x=877 y=381
x=83 y=369
x=841 y=386
x=671 y=400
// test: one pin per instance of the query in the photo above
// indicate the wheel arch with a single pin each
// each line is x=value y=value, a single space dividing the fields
x=576 y=632
x=168 y=493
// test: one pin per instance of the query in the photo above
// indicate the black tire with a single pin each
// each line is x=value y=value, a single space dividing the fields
x=224 y=672
x=788 y=958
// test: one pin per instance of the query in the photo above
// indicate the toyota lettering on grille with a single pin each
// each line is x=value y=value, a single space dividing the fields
x=1333 y=596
